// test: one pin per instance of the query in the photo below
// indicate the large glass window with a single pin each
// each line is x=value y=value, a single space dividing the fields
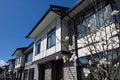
x=112 y=56
x=92 y=22
x=29 y=57
x=37 y=47
x=51 y=39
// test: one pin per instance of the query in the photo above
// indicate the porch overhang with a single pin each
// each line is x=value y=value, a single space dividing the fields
x=18 y=51
x=10 y=60
x=60 y=54
x=20 y=68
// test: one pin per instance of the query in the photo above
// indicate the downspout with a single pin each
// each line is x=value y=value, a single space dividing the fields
x=76 y=49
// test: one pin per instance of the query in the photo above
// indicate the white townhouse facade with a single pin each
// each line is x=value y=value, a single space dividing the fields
x=45 y=58
x=97 y=15
x=19 y=62
x=11 y=64
x=49 y=46
x=30 y=70
x=24 y=69
x=48 y=35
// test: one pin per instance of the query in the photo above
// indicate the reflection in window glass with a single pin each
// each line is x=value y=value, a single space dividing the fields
x=95 y=20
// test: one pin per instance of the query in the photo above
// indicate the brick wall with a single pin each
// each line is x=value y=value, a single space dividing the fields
x=70 y=70
x=48 y=71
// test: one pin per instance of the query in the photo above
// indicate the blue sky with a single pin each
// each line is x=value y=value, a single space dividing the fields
x=17 y=18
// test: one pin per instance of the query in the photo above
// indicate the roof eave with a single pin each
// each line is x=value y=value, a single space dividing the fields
x=23 y=48
x=76 y=5
x=28 y=36
x=50 y=9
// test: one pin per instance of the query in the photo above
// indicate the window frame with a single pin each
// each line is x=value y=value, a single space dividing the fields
x=28 y=56
x=84 y=61
x=26 y=74
x=18 y=60
x=38 y=47
x=50 y=35
x=87 y=19
x=31 y=71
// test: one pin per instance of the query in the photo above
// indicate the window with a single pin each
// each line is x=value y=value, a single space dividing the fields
x=112 y=55
x=31 y=74
x=102 y=18
x=25 y=75
x=18 y=60
x=95 y=20
x=51 y=39
x=83 y=60
x=37 y=47
x=117 y=16
x=29 y=57
x=82 y=29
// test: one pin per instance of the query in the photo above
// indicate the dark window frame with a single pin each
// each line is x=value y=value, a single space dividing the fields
x=25 y=74
x=31 y=74
x=18 y=60
x=50 y=35
x=38 y=47
x=29 y=55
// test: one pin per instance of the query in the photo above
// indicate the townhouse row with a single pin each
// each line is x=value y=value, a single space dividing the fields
x=49 y=57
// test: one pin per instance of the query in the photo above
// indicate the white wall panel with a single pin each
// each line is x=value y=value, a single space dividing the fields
x=58 y=47
x=50 y=50
x=43 y=36
x=81 y=41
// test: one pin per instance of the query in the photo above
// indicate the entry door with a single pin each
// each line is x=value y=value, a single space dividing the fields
x=41 y=71
x=57 y=70
x=19 y=75
x=31 y=74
